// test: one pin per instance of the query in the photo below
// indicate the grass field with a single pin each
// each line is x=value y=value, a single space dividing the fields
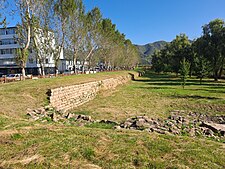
x=155 y=96
x=26 y=144
x=16 y=97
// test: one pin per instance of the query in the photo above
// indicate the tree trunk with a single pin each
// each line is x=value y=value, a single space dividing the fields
x=220 y=72
x=42 y=70
x=23 y=71
x=83 y=71
x=216 y=75
x=56 y=70
x=74 y=63
x=200 y=80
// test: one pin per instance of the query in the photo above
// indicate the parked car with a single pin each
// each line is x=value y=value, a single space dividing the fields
x=68 y=72
x=13 y=76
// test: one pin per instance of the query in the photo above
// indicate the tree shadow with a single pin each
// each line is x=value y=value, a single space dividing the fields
x=154 y=87
x=195 y=97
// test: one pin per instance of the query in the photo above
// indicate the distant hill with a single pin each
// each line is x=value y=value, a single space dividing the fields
x=147 y=50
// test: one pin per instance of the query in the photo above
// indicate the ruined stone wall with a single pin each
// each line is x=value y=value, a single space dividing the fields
x=69 y=97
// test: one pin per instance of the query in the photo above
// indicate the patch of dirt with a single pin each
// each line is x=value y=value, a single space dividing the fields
x=91 y=166
x=24 y=161
x=7 y=132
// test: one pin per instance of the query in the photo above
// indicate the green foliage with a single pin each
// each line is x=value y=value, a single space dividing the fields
x=168 y=59
x=214 y=39
x=184 y=70
x=21 y=56
x=206 y=54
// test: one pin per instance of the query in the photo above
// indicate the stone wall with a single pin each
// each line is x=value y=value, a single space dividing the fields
x=69 y=97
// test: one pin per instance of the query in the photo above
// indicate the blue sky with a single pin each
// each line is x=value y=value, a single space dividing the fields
x=144 y=21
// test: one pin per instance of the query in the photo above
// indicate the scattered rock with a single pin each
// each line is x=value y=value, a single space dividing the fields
x=178 y=123
x=84 y=117
x=217 y=128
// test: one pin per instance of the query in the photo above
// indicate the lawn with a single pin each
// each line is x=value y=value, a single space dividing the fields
x=27 y=144
x=157 y=95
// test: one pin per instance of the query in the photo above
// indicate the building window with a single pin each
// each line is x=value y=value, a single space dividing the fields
x=10 y=31
x=2 y=31
x=46 y=61
x=7 y=51
x=7 y=41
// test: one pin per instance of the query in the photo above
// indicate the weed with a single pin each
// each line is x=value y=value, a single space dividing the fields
x=16 y=136
x=88 y=153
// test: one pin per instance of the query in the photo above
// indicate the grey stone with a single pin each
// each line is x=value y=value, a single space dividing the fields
x=218 y=128
x=117 y=127
x=208 y=132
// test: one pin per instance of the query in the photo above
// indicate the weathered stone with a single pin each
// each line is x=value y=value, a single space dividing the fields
x=159 y=131
x=84 y=117
x=174 y=131
x=70 y=115
x=127 y=124
x=218 y=128
x=192 y=132
x=208 y=132
x=117 y=127
x=54 y=117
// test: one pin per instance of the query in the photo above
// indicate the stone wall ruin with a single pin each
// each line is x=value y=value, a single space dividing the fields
x=69 y=97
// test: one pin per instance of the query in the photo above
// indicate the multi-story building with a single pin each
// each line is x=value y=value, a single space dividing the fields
x=8 y=47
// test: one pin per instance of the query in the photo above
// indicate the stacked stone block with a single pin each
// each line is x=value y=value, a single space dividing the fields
x=69 y=97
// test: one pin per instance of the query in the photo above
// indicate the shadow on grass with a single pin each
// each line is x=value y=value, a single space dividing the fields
x=172 y=80
x=210 y=90
x=155 y=87
x=195 y=97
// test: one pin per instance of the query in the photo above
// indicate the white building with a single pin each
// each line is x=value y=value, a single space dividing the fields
x=8 y=47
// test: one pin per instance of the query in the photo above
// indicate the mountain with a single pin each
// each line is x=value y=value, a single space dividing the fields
x=147 y=50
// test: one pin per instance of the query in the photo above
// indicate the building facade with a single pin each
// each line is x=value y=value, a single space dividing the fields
x=9 y=46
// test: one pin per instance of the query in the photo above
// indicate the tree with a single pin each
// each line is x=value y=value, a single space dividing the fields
x=26 y=9
x=92 y=39
x=184 y=70
x=62 y=9
x=107 y=44
x=76 y=32
x=213 y=33
x=157 y=62
x=202 y=63
x=42 y=35
x=3 y=21
x=180 y=48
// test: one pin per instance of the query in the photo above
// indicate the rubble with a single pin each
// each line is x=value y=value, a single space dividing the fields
x=178 y=123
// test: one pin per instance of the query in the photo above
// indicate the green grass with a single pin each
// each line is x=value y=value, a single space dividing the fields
x=63 y=147
x=27 y=144
x=157 y=95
